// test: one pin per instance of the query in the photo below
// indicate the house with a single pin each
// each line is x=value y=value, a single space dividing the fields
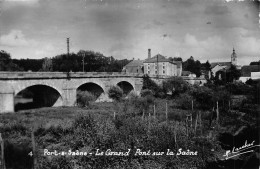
x=224 y=66
x=157 y=65
x=135 y=66
x=250 y=72
x=160 y=65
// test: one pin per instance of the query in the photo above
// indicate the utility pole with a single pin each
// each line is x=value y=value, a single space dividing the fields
x=2 y=159
x=157 y=68
x=68 y=53
x=83 y=56
x=68 y=46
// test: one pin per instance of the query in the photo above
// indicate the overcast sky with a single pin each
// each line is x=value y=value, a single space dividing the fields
x=204 y=29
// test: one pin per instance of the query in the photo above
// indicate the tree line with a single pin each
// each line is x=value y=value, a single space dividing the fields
x=93 y=62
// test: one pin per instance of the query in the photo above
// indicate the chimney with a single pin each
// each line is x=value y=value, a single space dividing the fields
x=149 y=53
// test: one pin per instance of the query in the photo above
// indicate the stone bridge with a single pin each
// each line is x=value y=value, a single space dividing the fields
x=60 y=88
x=46 y=89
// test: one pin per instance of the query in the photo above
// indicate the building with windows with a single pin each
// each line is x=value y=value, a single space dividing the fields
x=157 y=65
x=160 y=65
x=135 y=66
x=224 y=66
x=250 y=72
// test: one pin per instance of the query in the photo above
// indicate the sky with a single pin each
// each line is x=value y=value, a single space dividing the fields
x=125 y=29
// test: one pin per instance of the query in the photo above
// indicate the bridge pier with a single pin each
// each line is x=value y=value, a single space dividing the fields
x=69 y=95
x=6 y=100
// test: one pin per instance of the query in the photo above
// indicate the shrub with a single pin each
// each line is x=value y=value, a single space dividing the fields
x=115 y=93
x=239 y=88
x=146 y=92
x=184 y=101
x=84 y=98
x=203 y=96
x=175 y=85
x=152 y=86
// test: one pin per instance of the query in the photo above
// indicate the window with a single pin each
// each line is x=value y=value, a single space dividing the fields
x=163 y=67
x=156 y=72
x=163 y=71
x=148 y=72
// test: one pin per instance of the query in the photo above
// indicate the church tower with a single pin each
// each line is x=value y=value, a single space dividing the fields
x=234 y=58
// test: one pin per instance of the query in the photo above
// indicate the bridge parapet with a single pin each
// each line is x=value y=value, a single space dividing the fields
x=63 y=75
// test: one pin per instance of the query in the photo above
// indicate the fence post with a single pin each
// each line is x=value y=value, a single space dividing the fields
x=154 y=111
x=175 y=134
x=217 y=113
x=35 y=165
x=196 y=121
x=166 y=112
x=2 y=162
x=114 y=115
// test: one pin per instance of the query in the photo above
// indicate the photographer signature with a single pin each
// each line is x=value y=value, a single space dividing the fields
x=240 y=150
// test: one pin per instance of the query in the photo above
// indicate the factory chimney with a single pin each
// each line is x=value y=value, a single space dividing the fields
x=149 y=53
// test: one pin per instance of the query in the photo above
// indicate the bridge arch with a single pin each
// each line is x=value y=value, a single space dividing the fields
x=21 y=86
x=94 y=88
x=126 y=86
x=36 y=96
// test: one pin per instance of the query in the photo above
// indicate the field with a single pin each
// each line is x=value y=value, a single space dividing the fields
x=96 y=128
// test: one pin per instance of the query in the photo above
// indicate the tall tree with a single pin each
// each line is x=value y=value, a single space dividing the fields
x=6 y=63
x=192 y=66
x=47 y=65
x=233 y=73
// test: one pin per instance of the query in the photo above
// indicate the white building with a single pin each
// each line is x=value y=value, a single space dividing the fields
x=160 y=65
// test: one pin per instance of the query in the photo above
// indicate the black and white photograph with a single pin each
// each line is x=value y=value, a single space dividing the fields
x=129 y=84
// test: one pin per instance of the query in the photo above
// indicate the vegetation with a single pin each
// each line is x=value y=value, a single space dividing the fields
x=192 y=66
x=84 y=98
x=6 y=63
x=154 y=122
x=175 y=85
x=115 y=93
x=93 y=61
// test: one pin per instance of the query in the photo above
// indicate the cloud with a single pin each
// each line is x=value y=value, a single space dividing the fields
x=15 y=39
x=28 y=1
x=9 y=4
x=216 y=10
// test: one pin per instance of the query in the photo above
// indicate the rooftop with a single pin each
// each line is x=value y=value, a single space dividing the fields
x=246 y=70
x=135 y=63
x=158 y=58
x=213 y=64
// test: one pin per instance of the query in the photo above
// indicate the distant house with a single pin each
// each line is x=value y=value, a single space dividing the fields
x=250 y=72
x=157 y=65
x=160 y=65
x=224 y=66
x=135 y=66
x=188 y=74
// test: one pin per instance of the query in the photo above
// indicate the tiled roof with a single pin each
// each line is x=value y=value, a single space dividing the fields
x=213 y=64
x=135 y=63
x=158 y=58
x=246 y=70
